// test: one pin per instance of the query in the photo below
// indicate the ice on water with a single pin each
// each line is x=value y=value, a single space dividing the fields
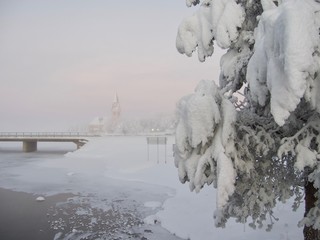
x=112 y=177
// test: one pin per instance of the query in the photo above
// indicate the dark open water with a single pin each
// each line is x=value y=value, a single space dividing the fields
x=22 y=217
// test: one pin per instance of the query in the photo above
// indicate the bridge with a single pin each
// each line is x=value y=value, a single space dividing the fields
x=30 y=139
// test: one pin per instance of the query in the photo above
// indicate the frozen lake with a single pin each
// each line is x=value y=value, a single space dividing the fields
x=109 y=189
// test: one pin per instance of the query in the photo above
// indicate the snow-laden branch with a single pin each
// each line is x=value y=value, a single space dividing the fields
x=195 y=33
x=284 y=65
x=204 y=136
x=266 y=149
x=212 y=21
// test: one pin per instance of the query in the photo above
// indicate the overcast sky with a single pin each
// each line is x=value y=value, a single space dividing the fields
x=61 y=61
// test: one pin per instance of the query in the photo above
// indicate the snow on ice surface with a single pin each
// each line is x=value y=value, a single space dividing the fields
x=40 y=199
x=152 y=205
x=114 y=172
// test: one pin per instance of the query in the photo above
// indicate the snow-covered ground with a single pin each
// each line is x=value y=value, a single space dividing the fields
x=115 y=173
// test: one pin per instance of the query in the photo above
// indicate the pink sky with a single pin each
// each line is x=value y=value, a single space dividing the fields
x=61 y=62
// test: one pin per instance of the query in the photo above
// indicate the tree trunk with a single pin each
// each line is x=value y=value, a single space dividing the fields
x=309 y=232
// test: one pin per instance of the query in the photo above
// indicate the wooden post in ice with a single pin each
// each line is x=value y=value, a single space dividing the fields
x=157 y=140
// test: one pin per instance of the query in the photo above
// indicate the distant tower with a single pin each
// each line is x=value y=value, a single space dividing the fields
x=116 y=111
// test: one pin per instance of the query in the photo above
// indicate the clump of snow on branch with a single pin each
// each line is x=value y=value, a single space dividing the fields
x=305 y=145
x=194 y=32
x=227 y=19
x=212 y=21
x=204 y=138
x=283 y=66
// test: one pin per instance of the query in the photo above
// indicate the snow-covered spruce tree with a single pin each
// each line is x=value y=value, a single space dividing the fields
x=263 y=147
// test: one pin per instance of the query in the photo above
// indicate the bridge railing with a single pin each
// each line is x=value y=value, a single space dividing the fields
x=47 y=134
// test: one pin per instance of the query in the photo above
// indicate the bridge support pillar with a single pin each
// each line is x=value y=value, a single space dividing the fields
x=29 y=146
x=79 y=143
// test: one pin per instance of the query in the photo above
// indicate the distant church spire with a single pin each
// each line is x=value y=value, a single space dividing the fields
x=116 y=98
x=116 y=111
